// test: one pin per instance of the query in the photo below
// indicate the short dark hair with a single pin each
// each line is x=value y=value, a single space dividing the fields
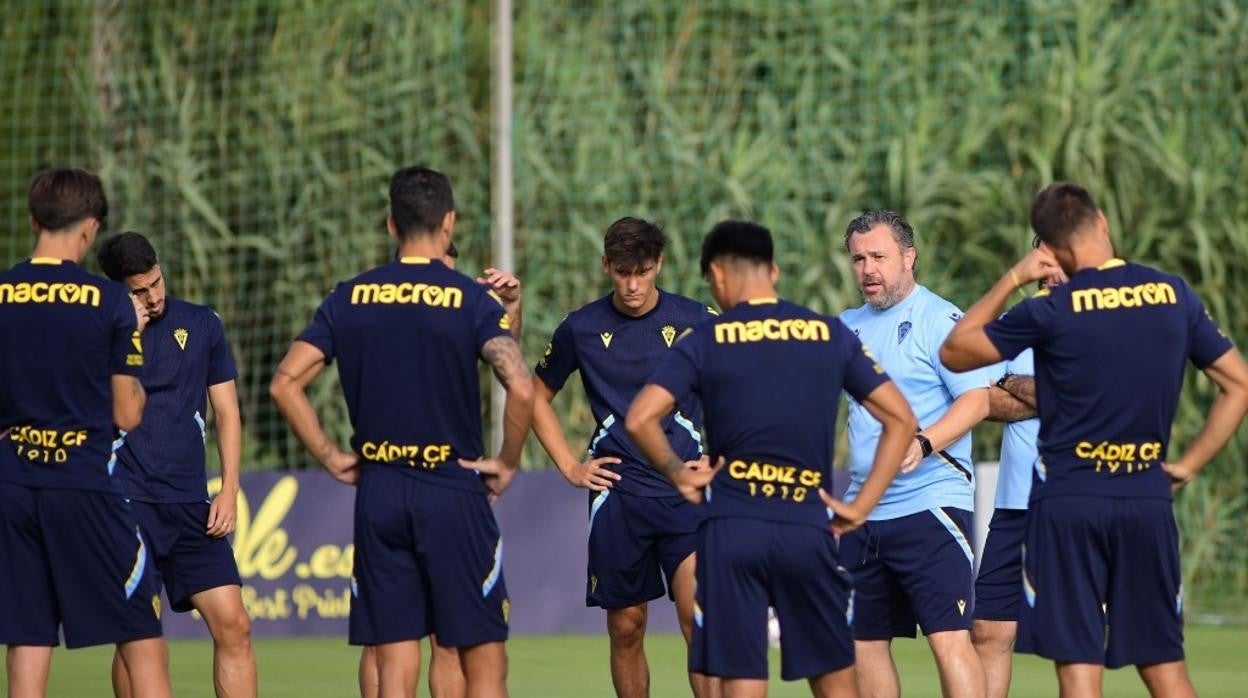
x=62 y=197
x=452 y=251
x=1059 y=211
x=739 y=240
x=125 y=255
x=419 y=199
x=897 y=225
x=632 y=242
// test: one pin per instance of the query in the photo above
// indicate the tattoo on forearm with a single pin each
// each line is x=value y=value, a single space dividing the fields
x=503 y=354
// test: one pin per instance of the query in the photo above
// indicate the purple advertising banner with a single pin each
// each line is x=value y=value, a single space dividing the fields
x=294 y=552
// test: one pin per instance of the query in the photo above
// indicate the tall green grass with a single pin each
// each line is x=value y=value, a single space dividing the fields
x=252 y=140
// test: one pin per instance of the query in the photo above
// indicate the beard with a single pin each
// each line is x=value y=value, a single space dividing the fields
x=891 y=296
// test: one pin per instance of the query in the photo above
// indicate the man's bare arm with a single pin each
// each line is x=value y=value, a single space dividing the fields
x=1004 y=405
x=503 y=355
x=129 y=399
x=302 y=363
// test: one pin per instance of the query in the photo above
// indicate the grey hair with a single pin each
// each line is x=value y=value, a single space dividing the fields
x=901 y=230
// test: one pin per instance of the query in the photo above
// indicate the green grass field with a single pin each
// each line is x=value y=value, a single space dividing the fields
x=577 y=666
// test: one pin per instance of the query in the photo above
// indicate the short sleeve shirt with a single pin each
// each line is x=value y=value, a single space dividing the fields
x=769 y=374
x=407 y=337
x=63 y=334
x=1111 y=346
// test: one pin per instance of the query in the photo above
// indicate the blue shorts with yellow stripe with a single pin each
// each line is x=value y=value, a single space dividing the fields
x=428 y=559
x=73 y=560
x=912 y=570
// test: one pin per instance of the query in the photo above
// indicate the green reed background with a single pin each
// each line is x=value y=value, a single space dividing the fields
x=253 y=141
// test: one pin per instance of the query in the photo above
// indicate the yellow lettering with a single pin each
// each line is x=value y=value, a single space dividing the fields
x=729 y=332
x=364 y=293
x=407 y=292
x=1086 y=299
x=435 y=453
x=44 y=292
x=261 y=546
x=326 y=604
x=736 y=470
x=324 y=563
x=1151 y=293
x=772 y=329
x=275 y=607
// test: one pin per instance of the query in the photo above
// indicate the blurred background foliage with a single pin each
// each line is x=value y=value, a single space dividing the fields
x=252 y=140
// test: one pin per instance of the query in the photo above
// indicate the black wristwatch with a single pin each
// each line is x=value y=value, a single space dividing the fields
x=924 y=444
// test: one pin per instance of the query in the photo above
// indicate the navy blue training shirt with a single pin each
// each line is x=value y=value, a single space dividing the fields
x=63 y=334
x=616 y=354
x=770 y=374
x=1111 y=346
x=407 y=336
x=185 y=352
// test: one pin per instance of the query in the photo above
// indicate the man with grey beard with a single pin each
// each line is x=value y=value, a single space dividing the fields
x=912 y=561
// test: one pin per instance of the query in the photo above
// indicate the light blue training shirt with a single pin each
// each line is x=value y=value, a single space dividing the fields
x=1018 y=448
x=905 y=339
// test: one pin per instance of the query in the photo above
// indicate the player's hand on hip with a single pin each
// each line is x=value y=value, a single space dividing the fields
x=846 y=517
x=914 y=456
x=222 y=515
x=344 y=467
x=592 y=475
x=692 y=480
x=140 y=314
x=1179 y=474
x=494 y=473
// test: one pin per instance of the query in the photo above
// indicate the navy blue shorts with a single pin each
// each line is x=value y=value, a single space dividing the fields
x=916 y=569
x=634 y=543
x=188 y=559
x=75 y=560
x=428 y=559
x=1101 y=582
x=746 y=565
x=1000 y=583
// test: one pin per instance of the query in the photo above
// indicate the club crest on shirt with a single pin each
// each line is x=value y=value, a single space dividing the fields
x=902 y=330
x=669 y=334
x=606 y=339
x=180 y=335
